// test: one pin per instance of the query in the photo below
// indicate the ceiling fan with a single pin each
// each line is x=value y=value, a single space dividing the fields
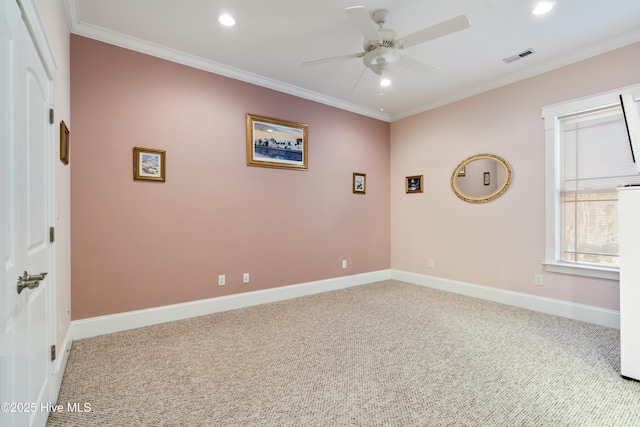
x=382 y=48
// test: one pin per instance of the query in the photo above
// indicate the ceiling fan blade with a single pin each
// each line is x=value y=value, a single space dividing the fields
x=418 y=66
x=333 y=58
x=361 y=19
x=442 y=29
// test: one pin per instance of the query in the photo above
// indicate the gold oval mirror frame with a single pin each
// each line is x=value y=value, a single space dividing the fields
x=481 y=178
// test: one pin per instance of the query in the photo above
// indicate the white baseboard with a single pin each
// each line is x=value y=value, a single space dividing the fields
x=94 y=326
x=584 y=313
x=86 y=328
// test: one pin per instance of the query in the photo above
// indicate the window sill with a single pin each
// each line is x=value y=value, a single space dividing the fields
x=583 y=270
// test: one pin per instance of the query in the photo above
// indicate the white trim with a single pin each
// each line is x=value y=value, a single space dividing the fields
x=583 y=270
x=581 y=312
x=551 y=114
x=587 y=103
x=101 y=34
x=94 y=326
x=589 y=51
x=143 y=46
x=91 y=327
x=38 y=36
x=36 y=29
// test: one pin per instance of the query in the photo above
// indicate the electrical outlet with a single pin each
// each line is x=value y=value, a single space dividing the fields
x=221 y=280
x=537 y=279
x=245 y=278
x=344 y=263
x=430 y=263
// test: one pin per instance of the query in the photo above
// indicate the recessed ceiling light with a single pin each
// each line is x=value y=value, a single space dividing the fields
x=226 y=20
x=543 y=7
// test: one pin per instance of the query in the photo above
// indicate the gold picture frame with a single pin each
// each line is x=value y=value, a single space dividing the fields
x=149 y=164
x=359 y=185
x=413 y=184
x=64 y=143
x=274 y=143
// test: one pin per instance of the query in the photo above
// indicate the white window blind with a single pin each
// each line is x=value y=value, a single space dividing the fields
x=595 y=159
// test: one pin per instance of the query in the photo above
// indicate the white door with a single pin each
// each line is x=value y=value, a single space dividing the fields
x=25 y=318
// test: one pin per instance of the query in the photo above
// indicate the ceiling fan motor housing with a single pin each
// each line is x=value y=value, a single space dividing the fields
x=387 y=39
x=381 y=54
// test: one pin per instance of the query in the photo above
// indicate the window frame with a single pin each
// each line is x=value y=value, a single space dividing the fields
x=551 y=116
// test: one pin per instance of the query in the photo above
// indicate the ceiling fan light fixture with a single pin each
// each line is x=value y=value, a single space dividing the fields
x=226 y=20
x=543 y=7
x=381 y=59
x=385 y=81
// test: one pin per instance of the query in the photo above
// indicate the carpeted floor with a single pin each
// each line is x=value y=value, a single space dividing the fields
x=383 y=354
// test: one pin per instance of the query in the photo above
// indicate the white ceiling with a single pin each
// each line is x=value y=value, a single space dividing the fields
x=273 y=38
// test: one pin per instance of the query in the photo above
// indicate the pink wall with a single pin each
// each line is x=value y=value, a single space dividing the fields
x=139 y=244
x=501 y=243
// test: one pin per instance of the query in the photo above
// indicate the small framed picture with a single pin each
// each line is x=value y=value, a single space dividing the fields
x=148 y=164
x=414 y=184
x=359 y=183
x=64 y=143
x=487 y=178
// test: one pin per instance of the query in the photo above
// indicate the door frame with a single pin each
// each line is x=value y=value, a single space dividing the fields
x=38 y=35
x=36 y=32
x=36 y=29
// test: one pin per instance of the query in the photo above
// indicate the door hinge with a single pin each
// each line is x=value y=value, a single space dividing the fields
x=53 y=352
x=52 y=234
x=50 y=115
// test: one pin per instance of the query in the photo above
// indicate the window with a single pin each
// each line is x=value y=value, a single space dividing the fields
x=587 y=157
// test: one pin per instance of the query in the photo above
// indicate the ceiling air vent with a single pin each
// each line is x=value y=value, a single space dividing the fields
x=519 y=56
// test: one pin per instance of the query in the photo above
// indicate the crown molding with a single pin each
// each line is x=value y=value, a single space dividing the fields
x=142 y=46
x=589 y=51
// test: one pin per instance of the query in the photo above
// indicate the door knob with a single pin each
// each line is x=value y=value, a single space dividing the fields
x=30 y=281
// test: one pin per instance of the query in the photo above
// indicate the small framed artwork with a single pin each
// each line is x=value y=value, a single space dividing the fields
x=414 y=184
x=487 y=178
x=461 y=171
x=359 y=183
x=64 y=143
x=148 y=164
x=276 y=143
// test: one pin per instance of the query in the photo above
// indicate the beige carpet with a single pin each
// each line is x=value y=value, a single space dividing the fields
x=383 y=354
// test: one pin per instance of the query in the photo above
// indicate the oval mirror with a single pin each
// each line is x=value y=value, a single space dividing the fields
x=481 y=178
